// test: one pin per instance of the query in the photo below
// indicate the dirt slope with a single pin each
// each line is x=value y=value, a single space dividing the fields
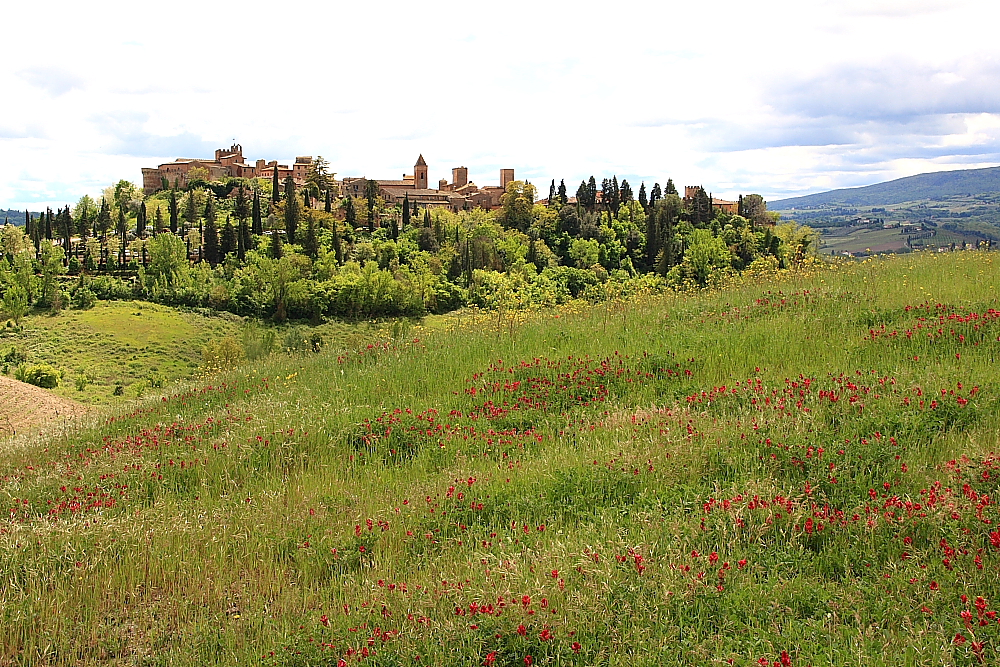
x=23 y=406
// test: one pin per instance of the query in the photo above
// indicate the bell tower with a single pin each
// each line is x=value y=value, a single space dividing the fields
x=420 y=174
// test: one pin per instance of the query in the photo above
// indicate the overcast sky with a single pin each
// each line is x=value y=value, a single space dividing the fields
x=775 y=97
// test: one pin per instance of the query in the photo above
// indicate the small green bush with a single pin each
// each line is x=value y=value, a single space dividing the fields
x=40 y=375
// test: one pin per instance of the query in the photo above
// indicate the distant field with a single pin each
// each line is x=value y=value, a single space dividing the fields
x=860 y=240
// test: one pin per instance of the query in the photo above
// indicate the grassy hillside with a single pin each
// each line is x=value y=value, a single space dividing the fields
x=138 y=346
x=935 y=185
x=799 y=470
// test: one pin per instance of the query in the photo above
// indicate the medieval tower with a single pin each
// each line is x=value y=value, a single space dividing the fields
x=420 y=174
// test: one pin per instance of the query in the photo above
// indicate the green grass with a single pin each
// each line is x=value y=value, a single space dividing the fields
x=682 y=479
x=139 y=346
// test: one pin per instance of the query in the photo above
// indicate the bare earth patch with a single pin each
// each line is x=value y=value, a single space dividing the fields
x=24 y=406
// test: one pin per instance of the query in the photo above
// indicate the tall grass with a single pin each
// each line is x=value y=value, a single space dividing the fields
x=739 y=475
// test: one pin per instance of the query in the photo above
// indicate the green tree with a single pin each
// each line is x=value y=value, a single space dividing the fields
x=643 y=199
x=210 y=242
x=317 y=177
x=371 y=195
x=516 y=206
x=84 y=213
x=50 y=268
x=241 y=208
x=291 y=209
x=406 y=211
x=258 y=222
x=350 y=214
x=210 y=211
x=167 y=259
x=277 y=252
x=670 y=189
x=654 y=196
x=311 y=242
x=561 y=193
x=338 y=251
x=275 y=189
x=229 y=242
x=191 y=210
x=705 y=253
x=754 y=209
x=174 y=213
x=140 y=220
x=15 y=303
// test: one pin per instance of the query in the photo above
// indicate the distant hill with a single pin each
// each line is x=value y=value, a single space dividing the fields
x=14 y=217
x=935 y=185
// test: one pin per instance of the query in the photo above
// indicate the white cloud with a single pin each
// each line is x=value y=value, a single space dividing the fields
x=777 y=97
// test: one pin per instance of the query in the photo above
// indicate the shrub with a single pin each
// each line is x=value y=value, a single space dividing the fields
x=222 y=354
x=84 y=298
x=40 y=375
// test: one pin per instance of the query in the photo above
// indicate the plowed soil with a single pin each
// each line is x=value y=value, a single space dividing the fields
x=24 y=406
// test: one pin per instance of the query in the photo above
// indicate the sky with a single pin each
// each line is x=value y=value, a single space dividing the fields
x=774 y=97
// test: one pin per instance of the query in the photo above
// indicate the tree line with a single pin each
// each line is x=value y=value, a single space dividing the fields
x=266 y=248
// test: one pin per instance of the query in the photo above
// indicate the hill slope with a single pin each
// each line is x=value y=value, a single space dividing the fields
x=24 y=406
x=911 y=188
x=801 y=470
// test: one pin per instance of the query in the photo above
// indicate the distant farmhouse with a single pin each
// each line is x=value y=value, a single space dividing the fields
x=227 y=162
x=458 y=195
x=691 y=191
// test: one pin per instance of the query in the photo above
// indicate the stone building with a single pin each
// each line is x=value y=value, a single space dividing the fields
x=731 y=207
x=458 y=195
x=228 y=162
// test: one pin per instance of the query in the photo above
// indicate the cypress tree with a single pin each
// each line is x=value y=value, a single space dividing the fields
x=427 y=218
x=371 y=194
x=291 y=209
x=242 y=206
x=210 y=212
x=338 y=251
x=552 y=193
x=350 y=215
x=242 y=232
x=191 y=211
x=258 y=222
x=210 y=242
x=328 y=203
x=275 y=189
x=276 y=250
x=122 y=231
x=406 y=210
x=158 y=221
x=591 y=202
x=48 y=224
x=654 y=195
x=27 y=223
x=229 y=243
x=561 y=193
x=643 y=201
x=413 y=213
x=140 y=220
x=311 y=243
x=247 y=239
x=670 y=189
x=172 y=209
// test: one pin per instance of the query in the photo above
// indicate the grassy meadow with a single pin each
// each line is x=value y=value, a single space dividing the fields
x=799 y=469
x=139 y=346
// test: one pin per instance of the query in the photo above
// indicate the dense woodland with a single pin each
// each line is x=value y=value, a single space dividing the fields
x=267 y=249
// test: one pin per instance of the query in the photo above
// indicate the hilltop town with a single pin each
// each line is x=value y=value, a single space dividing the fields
x=459 y=195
